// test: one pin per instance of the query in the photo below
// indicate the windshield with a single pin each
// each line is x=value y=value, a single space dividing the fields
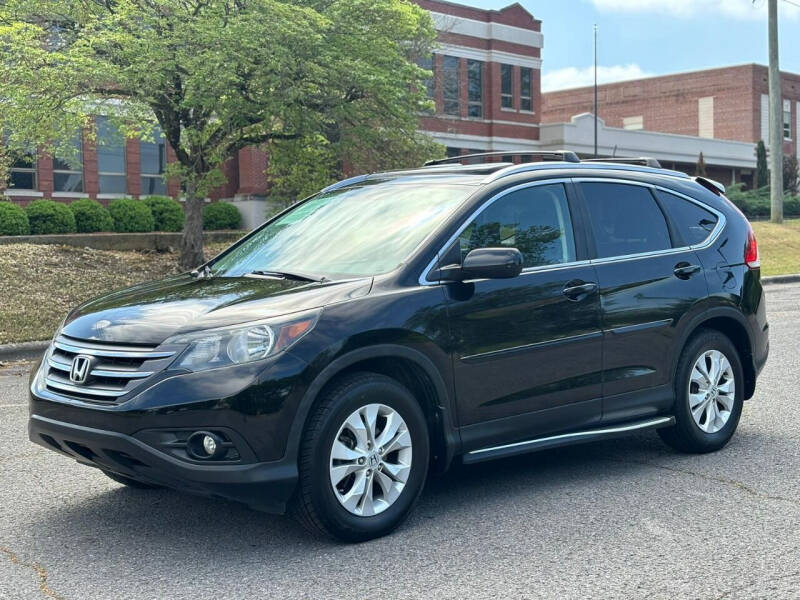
x=356 y=231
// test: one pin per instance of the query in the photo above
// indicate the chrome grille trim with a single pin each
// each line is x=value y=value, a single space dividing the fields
x=117 y=372
x=122 y=374
x=111 y=352
x=88 y=391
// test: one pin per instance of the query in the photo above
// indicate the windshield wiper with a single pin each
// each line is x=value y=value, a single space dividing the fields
x=291 y=275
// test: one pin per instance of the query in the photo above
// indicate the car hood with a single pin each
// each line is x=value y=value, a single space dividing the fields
x=149 y=313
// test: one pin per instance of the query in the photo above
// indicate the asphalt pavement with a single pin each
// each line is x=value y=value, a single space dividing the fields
x=626 y=519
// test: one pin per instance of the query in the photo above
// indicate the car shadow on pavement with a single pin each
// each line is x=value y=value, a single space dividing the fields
x=167 y=522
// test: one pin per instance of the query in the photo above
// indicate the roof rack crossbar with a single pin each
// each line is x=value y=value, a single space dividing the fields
x=641 y=160
x=562 y=155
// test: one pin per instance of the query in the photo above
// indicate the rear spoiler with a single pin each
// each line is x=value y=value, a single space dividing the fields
x=712 y=186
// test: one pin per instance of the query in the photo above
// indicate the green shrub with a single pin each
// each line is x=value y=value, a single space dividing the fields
x=791 y=206
x=756 y=203
x=131 y=216
x=91 y=216
x=221 y=215
x=47 y=216
x=13 y=220
x=167 y=213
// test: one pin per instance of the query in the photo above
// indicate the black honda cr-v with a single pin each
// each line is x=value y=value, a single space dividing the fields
x=394 y=322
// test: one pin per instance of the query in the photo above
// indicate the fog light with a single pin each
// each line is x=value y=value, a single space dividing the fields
x=209 y=445
x=204 y=445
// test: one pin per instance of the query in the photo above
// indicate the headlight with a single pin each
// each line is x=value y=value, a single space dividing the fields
x=239 y=344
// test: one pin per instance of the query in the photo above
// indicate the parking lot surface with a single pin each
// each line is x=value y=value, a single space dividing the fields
x=626 y=518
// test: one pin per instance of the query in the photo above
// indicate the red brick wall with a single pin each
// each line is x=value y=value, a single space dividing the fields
x=670 y=103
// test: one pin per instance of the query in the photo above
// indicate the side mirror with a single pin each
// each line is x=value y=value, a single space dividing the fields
x=491 y=263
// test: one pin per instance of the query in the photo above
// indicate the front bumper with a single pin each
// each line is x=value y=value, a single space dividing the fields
x=253 y=405
x=264 y=486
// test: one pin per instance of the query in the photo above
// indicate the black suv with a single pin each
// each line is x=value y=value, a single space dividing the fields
x=393 y=322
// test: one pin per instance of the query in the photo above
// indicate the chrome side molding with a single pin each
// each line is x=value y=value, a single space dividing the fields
x=565 y=439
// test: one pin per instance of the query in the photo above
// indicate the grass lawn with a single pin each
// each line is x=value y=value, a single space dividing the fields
x=779 y=246
x=40 y=284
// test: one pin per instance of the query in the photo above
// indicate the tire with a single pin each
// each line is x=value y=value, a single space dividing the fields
x=133 y=483
x=711 y=432
x=337 y=510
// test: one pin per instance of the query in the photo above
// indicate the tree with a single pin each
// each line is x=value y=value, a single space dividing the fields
x=701 y=166
x=791 y=174
x=215 y=76
x=762 y=172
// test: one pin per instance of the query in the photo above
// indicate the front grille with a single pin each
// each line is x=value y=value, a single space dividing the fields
x=114 y=371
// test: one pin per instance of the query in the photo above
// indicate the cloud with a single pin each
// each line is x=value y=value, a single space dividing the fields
x=686 y=9
x=572 y=77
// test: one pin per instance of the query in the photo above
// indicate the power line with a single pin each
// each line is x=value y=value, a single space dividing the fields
x=797 y=4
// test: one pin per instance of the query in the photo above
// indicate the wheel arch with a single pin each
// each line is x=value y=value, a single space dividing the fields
x=730 y=323
x=408 y=366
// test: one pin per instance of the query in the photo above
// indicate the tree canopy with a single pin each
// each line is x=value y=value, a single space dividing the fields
x=331 y=81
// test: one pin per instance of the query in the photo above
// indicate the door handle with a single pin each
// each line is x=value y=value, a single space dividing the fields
x=575 y=290
x=684 y=270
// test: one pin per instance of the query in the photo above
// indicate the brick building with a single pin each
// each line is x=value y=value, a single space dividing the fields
x=729 y=103
x=486 y=85
x=487 y=78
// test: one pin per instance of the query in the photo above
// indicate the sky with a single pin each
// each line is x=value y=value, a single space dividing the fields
x=639 y=38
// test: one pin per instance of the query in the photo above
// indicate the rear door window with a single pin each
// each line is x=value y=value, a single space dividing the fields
x=692 y=222
x=625 y=219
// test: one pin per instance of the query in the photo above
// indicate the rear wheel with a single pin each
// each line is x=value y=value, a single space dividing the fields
x=708 y=394
x=363 y=459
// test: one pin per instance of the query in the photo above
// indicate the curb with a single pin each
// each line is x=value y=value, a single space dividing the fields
x=22 y=351
x=776 y=279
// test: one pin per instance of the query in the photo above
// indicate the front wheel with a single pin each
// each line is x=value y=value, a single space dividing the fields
x=363 y=459
x=708 y=394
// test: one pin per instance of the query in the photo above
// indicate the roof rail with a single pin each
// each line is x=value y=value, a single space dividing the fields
x=562 y=155
x=645 y=161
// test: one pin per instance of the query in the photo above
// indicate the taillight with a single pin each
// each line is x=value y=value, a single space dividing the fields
x=751 y=257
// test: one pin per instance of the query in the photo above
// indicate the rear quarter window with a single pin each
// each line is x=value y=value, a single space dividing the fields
x=691 y=221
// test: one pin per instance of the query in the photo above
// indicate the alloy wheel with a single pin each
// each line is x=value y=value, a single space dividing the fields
x=370 y=460
x=712 y=391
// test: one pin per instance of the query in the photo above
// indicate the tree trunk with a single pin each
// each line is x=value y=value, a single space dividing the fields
x=192 y=240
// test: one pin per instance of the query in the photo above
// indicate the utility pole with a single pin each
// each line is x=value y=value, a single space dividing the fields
x=775 y=120
x=595 y=90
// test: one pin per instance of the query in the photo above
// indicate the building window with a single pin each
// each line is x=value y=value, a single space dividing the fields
x=787 y=120
x=450 y=79
x=633 y=122
x=506 y=86
x=153 y=163
x=525 y=93
x=110 y=158
x=451 y=152
x=475 y=88
x=23 y=173
x=430 y=85
x=68 y=170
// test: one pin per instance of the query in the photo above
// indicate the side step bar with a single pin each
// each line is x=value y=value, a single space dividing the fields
x=565 y=439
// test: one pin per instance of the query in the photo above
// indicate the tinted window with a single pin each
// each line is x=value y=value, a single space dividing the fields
x=625 y=219
x=534 y=220
x=694 y=223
